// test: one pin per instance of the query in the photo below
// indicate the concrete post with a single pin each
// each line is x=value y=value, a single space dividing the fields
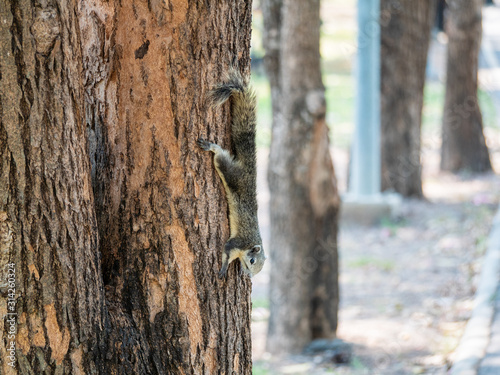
x=364 y=204
x=365 y=165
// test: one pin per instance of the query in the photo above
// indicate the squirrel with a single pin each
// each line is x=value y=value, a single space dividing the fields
x=239 y=175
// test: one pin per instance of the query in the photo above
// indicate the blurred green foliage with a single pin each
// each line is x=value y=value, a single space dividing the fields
x=385 y=265
x=260 y=302
x=260 y=368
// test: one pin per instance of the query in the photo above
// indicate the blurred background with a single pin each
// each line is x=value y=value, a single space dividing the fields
x=407 y=278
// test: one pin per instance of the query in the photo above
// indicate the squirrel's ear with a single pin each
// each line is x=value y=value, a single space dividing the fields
x=256 y=249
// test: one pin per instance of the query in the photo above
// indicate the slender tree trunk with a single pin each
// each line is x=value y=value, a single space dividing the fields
x=405 y=36
x=464 y=146
x=304 y=198
x=117 y=259
x=271 y=35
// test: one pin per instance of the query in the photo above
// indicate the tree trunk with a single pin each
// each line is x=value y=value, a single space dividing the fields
x=464 y=146
x=46 y=200
x=405 y=36
x=271 y=35
x=304 y=198
x=117 y=259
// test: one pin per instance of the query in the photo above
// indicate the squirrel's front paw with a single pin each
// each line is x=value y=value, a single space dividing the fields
x=223 y=271
x=204 y=145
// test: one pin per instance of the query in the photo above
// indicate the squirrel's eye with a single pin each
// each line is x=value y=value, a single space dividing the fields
x=252 y=261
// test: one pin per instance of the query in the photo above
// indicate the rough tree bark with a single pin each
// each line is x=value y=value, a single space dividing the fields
x=46 y=200
x=117 y=258
x=405 y=37
x=304 y=198
x=464 y=146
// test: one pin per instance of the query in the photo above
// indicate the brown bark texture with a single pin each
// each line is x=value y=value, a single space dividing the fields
x=464 y=146
x=405 y=37
x=304 y=199
x=114 y=219
x=46 y=195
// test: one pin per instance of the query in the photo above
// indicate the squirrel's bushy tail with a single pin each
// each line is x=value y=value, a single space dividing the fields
x=233 y=83
x=243 y=111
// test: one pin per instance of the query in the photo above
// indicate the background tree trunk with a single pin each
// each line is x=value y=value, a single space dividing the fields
x=118 y=258
x=464 y=146
x=271 y=35
x=304 y=198
x=405 y=36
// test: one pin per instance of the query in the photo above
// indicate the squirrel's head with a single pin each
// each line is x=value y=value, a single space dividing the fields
x=253 y=260
x=251 y=257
